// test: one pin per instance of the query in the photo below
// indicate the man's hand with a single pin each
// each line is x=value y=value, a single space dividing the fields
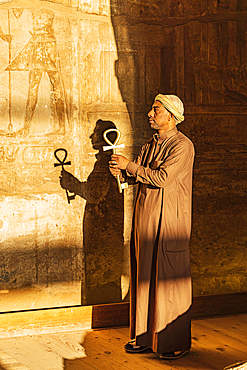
x=69 y=182
x=8 y=38
x=114 y=171
x=118 y=162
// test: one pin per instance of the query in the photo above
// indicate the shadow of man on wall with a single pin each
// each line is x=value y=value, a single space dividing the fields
x=102 y=224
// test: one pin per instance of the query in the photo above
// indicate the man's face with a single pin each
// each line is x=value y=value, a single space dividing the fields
x=159 y=117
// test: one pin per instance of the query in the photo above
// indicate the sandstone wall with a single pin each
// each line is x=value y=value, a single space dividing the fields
x=197 y=50
x=59 y=90
x=74 y=69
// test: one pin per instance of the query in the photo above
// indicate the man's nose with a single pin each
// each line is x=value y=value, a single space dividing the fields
x=151 y=113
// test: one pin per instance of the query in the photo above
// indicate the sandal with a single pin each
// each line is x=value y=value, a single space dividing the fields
x=173 y=355
x=132 y=348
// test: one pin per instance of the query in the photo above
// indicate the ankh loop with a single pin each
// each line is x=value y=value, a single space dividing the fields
x=113 y=147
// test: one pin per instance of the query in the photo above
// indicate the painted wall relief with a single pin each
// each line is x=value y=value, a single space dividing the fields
x=32 y=99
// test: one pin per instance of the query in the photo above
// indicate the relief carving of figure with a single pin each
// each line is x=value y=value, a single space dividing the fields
x=38 y=56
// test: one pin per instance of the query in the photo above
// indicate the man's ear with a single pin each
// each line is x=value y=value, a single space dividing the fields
x=170 y=116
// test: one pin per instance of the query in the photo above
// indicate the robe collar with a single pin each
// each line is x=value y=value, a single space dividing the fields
x=165 y=135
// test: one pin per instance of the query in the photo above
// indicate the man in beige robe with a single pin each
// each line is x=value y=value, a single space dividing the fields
x=160 y=261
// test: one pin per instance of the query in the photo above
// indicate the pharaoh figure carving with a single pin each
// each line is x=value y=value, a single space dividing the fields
x=40 y=56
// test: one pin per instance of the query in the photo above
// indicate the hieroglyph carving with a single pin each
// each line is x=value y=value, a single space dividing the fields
x=25 y=167
x=39 y=57
x=32 y=154
x=8 y=153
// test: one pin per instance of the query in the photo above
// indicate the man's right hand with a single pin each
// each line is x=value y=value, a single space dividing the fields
x=114 y=171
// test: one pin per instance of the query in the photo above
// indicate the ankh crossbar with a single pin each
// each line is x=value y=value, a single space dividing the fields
x=113 y=147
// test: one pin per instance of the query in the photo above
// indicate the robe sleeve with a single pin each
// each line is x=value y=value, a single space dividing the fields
x=178 y=158
x=129 y=177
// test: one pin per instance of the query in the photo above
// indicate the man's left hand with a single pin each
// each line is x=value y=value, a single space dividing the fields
x=118 y=161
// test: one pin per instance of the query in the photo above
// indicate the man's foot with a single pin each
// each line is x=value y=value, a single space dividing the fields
x=173 y=355
x=131 y=347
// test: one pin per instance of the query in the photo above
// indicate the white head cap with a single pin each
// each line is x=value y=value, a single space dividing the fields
x=173 y=104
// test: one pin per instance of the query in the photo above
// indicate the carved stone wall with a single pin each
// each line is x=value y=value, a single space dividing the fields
x=197 y=50
x=69 y=70
x=59 y=91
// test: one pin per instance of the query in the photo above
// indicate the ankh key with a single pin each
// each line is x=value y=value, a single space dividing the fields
x=114 y=146
x=63 y=163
